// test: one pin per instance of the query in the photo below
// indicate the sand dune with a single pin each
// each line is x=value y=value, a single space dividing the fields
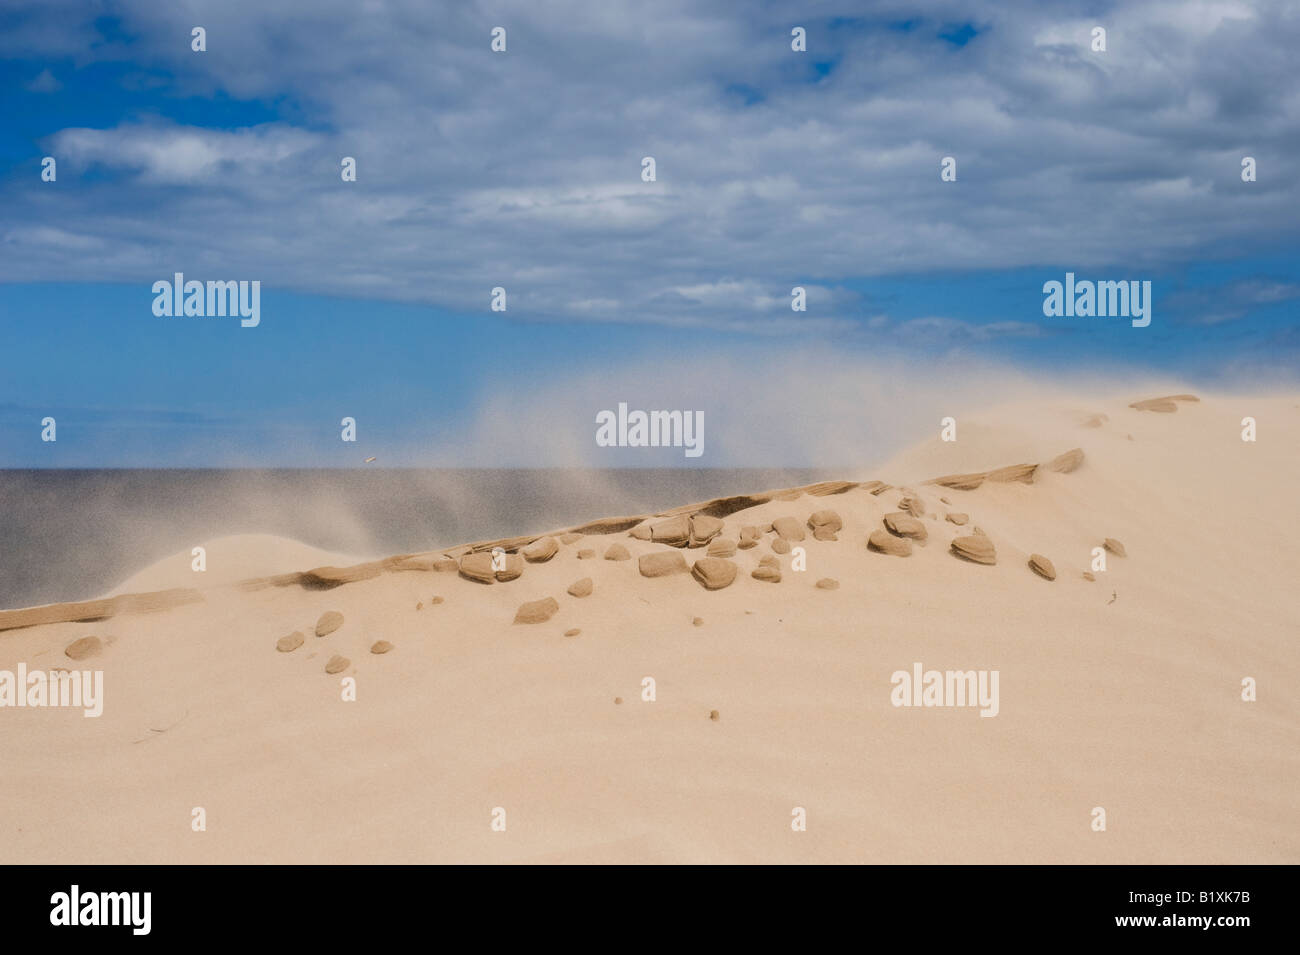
x=497 y=687
x=230 y=559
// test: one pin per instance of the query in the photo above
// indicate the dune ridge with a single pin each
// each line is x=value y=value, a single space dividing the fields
x=329 y=577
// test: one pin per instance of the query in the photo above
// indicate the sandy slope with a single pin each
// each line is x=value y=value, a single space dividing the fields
x=229 y=560
x=1122 y=693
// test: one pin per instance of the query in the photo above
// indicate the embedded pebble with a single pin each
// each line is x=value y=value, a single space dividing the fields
x=329 y=621
x=290 y=643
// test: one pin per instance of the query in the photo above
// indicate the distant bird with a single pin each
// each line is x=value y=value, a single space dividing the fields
x=368 y=460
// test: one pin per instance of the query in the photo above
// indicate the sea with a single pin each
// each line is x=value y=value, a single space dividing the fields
x=76 y=534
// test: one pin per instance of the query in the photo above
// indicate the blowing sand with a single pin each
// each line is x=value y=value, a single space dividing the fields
x=772 y=681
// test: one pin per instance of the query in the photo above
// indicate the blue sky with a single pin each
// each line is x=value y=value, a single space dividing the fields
x=522 y=170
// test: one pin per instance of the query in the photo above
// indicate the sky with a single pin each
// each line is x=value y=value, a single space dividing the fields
x=522 y=170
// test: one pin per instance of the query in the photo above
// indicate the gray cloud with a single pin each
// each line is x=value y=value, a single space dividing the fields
x=523 y=169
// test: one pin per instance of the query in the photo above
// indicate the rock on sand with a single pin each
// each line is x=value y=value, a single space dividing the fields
x=825 y=525
x=537 y=611
x=714 y=572
x=904 y=525
x=885 y=543
x=722 y=547
x=976 y=547
x=661 y=564
x=1042 y=566
x=768 y=570
x=541 y=550
x=1067 y=462
x=290 y=643
x=85 y=647
x=788 y=529
x=329 y=621
x=704 y=529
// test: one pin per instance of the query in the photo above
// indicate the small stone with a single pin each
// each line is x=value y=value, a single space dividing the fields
x=1042 y=566
x=288 y=644
x=337 y=664
x=380 y=646
x=1115 y=547
x=886 y=543
x=329 y=621
x=586 y=553
x=419 y=605
x=540 y=551
x=714 y=715
x=675 y=531
x=828 y=583
x=1089 y=575
x=662 y=564
x=434 y=600
x=977 y=548
x=904 y=525
x=617 y=552
x=641 y=532
x=768 y=571
x=478 y=568
x=787 y=528
x=780 y=545
x=959 y=518
x=80 y=649
x=581 y=588
x=618 y=700
x=704 y=529
x=572 y=633
x=722 y=547
x=698 y=621
x=912 y=504
x=827 y=519
x=714 y=573
x=1014 y=472
x=1067 y=462
x=537 y=611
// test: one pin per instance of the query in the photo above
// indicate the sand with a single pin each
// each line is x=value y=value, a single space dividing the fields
x=1123 y=692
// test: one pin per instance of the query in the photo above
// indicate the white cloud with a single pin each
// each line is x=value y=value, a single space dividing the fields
x=478 y=169
x=184 y=154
